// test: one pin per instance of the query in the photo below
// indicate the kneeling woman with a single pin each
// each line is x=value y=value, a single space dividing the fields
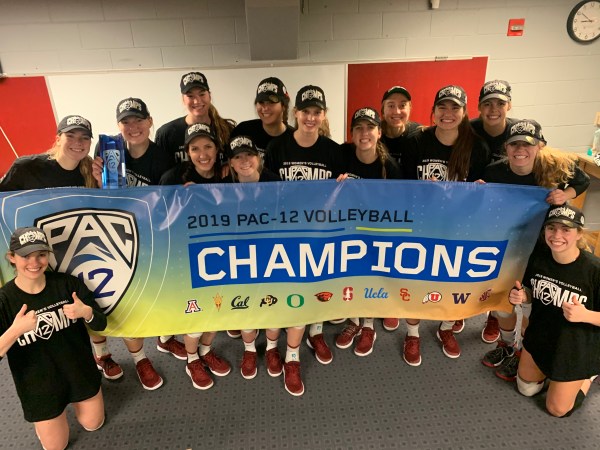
x=562 y=341
x=58 y=370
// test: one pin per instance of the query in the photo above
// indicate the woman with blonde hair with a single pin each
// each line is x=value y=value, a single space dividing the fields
x=529 y=162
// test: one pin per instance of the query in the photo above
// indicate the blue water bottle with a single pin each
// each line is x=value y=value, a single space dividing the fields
x=112 y=152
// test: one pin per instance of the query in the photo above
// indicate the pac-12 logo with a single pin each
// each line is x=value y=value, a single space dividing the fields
x=347 y=294
x=433 y=297
x=97 y=245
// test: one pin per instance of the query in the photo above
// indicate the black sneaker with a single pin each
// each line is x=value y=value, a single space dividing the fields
x=494 y=357
x=508 y=369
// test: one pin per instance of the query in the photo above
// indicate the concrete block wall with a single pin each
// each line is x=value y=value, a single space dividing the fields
x=555 y=80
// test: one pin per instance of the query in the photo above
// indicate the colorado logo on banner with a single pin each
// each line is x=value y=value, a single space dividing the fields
x=174 y=259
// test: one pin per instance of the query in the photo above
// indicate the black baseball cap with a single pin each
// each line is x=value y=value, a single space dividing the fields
x=452 y=92
x=526 y=130
x=396 y=90
x=240 y=144
x=495 y=89
x=565 y=214
x=310 y=96
x=368 y=114
x=198 y=129
x=26 y=240
x=74 y=122
x=132 y=107
x=272 y=90
x=191 y=80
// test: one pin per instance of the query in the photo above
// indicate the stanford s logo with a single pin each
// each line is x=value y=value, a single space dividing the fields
x=97 y=245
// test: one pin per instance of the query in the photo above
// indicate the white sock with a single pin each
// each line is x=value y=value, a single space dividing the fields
x=138 y=356
x=250 y=346
x=355 y=320
x=271 y=344
x=100 y=348
x=368 y=323
x=446 y=325
x=164 y=339
x=292 y=354
x=315 y=328
x=191 y=357
x=204 y=349
x=507 y=336
x=413 y=330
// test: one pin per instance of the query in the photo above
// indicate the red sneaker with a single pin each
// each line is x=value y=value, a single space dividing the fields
x=149 y=377
x=412 y=350
x=200 y=377
x=215 y=364
x=346 y=337
x=365 y=343
x=322 y=352
x=110 y=369
x=449 y=344
x=292 y=379
x=248 y=367
x=172 y=346
x=391 y=324
x=458 y=326
x=274 y=364
x=491 y=332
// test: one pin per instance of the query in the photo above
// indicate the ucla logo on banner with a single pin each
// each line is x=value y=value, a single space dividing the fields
x=372 y=293
x=99 y=246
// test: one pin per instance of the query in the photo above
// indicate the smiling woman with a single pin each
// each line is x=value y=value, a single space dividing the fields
x=66 y=164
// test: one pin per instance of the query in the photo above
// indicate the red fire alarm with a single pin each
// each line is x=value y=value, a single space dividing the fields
x=516 y=27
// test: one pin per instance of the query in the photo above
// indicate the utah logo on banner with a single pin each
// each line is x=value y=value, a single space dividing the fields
x=98 y=246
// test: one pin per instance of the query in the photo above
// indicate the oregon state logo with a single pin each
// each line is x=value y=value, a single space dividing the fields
x=97 y=245
x=324 y=296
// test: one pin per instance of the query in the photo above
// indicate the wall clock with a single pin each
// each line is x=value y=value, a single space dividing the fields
x=583 y=24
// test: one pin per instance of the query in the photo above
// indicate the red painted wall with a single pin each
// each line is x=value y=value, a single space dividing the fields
x=368 y=82
x=26 y=119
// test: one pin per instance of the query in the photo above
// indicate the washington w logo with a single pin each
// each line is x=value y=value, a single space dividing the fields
x=97 y=245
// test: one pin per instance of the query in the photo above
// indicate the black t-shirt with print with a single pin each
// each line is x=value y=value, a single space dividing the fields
x=171 y=138
x=321 y=161
x=52 y=365
x=426 y=157
x=39 y=172
x=563 y=350
x=184 y=173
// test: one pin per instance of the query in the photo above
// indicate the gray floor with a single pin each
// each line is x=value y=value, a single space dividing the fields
x=374 y=402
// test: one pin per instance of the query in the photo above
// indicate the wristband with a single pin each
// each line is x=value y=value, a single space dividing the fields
x=91 y=318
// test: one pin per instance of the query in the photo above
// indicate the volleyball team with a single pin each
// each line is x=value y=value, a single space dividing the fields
x=557 y=347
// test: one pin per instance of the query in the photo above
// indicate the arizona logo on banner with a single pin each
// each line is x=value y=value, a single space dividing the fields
x=171 y=259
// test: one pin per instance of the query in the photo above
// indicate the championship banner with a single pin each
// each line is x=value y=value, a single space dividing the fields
x=171 y=259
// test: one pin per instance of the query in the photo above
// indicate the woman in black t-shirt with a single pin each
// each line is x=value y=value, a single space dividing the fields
x=562 y=341
x=366 y=157
x=529 y=162
x=43 y=317
x=145 y=163
x=202 y=166
x=446 y=151
x=272 y=104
